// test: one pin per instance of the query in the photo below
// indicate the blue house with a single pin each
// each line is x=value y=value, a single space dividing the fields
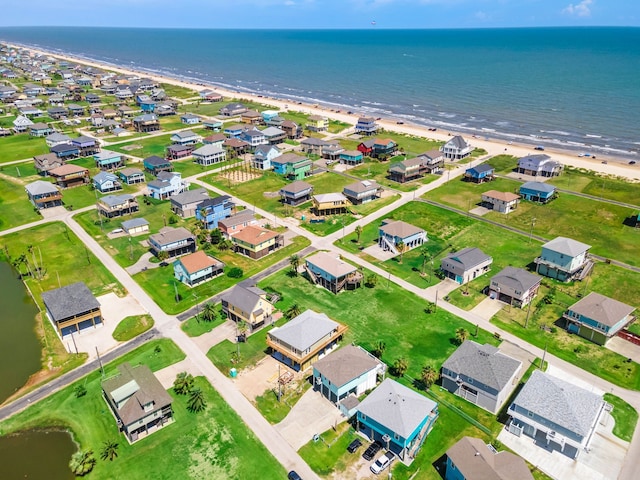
x=155 y=165
x=196 y=268
x=108 y=160
x=351 y=157
x=263 y=155
x=65 y=150
x=398 y=418
x=167 y=184
x=190 y=119
x=537 y=192
x=348 y=371
x=212 y=210
x=234 y=131
x=480 y=173
x=598 y=318
x=564 y=259
x=106 y=182
x=145 y=103
x=212 y=124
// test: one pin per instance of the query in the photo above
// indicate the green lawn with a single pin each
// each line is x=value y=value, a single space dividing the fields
x=375 y=170
x=275 y=411
x=21 y=146
x=189 y=167
x=144 y=147
x=194 y=327
x=215 y=443
x=131 y=327
x=625 y=415
x=178 y=91
x=16 y=208
x=592 y=222
x=63 y=257
x=161 y=284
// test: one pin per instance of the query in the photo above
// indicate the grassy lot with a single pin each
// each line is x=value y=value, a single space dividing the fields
x=145 y=147
x=161 y=284
x=599 y=185
x=212 y=444
x=625 y=415
x=189 y=167
x=194 y=327
x=131 y=327
x=592 y=222
x=178 y=91
x=213 y=109
x=17 y=209
x=127 y=250
x=275 y=411
x=21 y=146
x=64 y=259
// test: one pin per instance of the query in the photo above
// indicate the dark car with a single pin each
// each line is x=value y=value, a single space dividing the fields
x=632 y=162
x=371 y=451
x=355 y=445
x=538 y=147
x=293 y=476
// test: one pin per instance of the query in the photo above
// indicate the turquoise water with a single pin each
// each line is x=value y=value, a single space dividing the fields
x=572 y=86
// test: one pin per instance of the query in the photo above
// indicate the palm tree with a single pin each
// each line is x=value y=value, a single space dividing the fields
x=224 y=245
x=461 y=335
x=429 y=376
x=109 y=450
x=379 y=349
x=372 y=280
x=82 y=462
x=424 y=253
x=196 y=402
x=293 y=311
x=209 y=312
x=183 y=383
x=400 y=248
x=163 y=255
x=400 y=366
x=294 y=260
x=358 y=231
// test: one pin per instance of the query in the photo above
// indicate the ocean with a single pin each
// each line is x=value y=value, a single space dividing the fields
x=576 y=88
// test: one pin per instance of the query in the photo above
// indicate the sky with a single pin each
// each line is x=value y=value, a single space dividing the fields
x=306 y=14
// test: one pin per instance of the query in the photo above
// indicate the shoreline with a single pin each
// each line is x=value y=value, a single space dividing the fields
x=617 y=166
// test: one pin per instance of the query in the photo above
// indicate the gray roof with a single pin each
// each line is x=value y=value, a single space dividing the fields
x=516 y=278
x=265 y=149
x=208 y=149
x=346 y=364
x=331 y=264
x=304 y=330
x=602 y=309
x=133 y=223
x=483 y=363
x=141 y=386
x=396 y=407
x=40 y=187
x=560 y=402
x=114 y=200
x=244 y=298
x=476 y=461
x=185 y=133
x=315 y=141
x=127 y=172
x=296 y=187
x=237 y=218
x=168 y=235
x=400 y=229
x=534 y=160
x=68 y=301
x=190 y=196
x=567 y=246
x=538 y=186
x=330 y=197
x=58 y=137
x=155 y=161
x=483 y=167
x=102 y=177
x=272 y=131
x=362 y=186
x=458 y=142
x=468 y=257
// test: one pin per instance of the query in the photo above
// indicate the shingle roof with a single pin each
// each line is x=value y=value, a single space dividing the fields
x=342 y=366
x=560 y=402
x=254 y=235
x=69 y=300
x=67 y=169
x=397 y=407
x=114 y=200
x=246 y=299
x=503 y=196
x=538 y=186
x=330 y=197
x=197 y=261
x=516 y=278
x=127 y=172
x=168 y=235
x=237 y=218
x=155 y=161
x=190 y=196
x=483 y=363
x=331 y=264
x=40 y=187
x=468 y=257
x=305 y=330
x=483 y=167
x=475 y=461
x=458 y=142
x=185 y=133
x=102 y=177
x=363 y=186
x=63 y=147
x=208 y=149
x=602 y=309
x=133 y=223
x=143 y=387
x=398 y=228
x=566 y=246
x=296 y=187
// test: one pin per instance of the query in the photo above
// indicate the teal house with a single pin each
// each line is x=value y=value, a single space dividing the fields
x=598 y=318
x=537 y=192
x=564 y=259
x=292 y=166
x=108 y=160
x=397 y=417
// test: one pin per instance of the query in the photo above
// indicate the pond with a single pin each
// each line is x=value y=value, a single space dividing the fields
x=53 y=450
x=20 y=351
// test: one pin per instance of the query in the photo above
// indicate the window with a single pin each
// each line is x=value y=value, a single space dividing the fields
x=530 y=414
x=470 y=380
x=453 y=465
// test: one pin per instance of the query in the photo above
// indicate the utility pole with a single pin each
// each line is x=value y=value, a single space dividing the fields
x=526 y=320
x=544 y=354
x=100 y=362
x=533 y=222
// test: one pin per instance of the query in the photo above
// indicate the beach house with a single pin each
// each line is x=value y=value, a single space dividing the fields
x=539 y=165
x=317 y=123
x=146 y=123
x=190 y=119
x=248 y=304
x=481 y=375
x=362 y=191
x=253 y=137
x=48 y=161
x=415 y=168
x=185 y=137
x=108 y=160
x=398 y=418
x=564 y=259
x=40 y=130
x=177 y=151
x=292 y=166
x=211 y=210
x=117 y=205
x=174 y=241
x=196 y=268
x=397 y=236
x=304 y=339
x=167 y=184
x=501 y=202
x=255 y=242
x=235 y=223
x=21 y=124
x=252 y=117
x=209 y=154
x=480 y=173
x=86 y=145
x=558 y=415
x=131 y=176
x=351 y=157
x=135 y=226
x=456 y=149
x=263 y=155
x=366 y=126
x=514 y=286
x=331 y=272
x=56 y=138
x=465 y=265
x=43 y=194
x=65 y=150
x=329 y=204
x=597 y=318
x=155 y=165
x=233 y=109
x=537 y=192
x=72 y=308
x=106 y=182
x=274 y=135
x=69 y=175
x=186 y=204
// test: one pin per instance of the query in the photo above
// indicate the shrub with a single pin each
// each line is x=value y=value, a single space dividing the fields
x=235 y=272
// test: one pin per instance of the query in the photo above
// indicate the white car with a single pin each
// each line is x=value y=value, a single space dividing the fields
x=383 y=462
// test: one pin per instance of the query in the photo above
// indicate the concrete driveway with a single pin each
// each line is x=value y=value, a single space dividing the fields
x=487 y=308
x=624 y=348
x=444 y=288
x=313 y=414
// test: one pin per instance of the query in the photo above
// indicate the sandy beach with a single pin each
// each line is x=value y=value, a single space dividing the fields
x=614 y=166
